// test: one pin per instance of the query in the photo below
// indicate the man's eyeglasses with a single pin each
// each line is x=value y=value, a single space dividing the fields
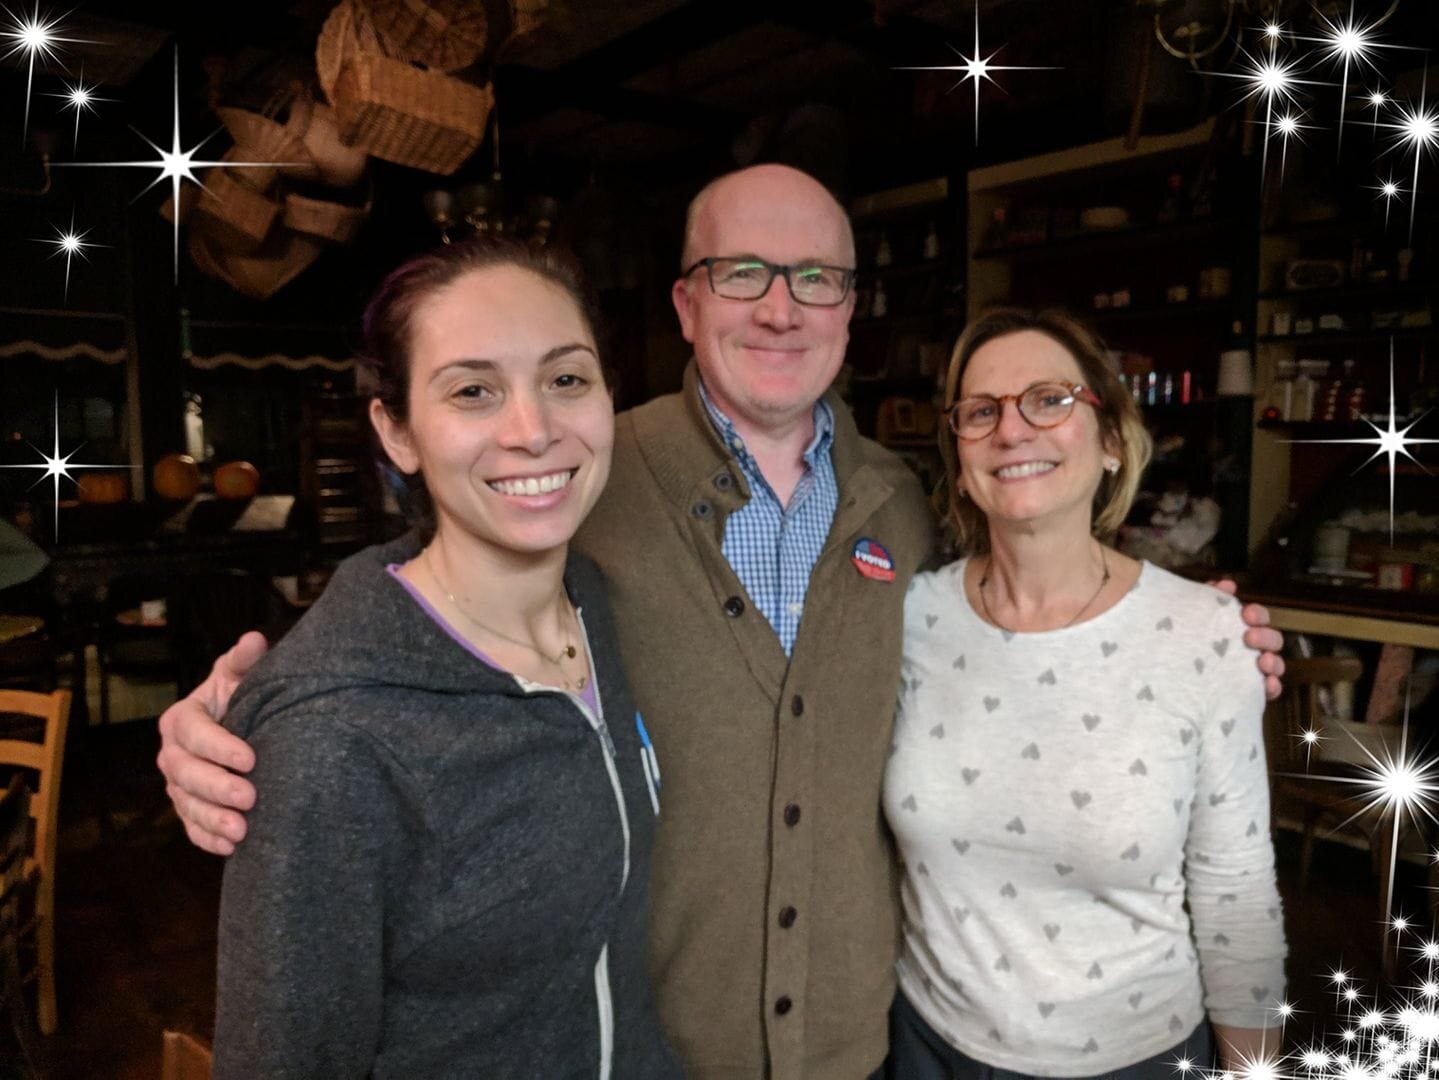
x=1043 y=405
x=743 y=278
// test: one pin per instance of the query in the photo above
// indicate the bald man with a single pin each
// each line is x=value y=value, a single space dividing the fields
x=757 y=551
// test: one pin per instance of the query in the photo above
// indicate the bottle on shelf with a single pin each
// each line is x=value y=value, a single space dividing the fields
x=883 y=253
x=1284 y=389
x=879 y=304
x=1353 y=393
x=1173 y=208
x=931 y=242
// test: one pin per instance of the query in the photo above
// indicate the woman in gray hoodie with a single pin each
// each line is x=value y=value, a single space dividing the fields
x=446 y=866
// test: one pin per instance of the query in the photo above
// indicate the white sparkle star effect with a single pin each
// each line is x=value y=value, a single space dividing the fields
x=976 y=68
x=1418 y=127
x=53 y=466
x=1377 y=100
x=1396 y=785
x=1348 y=42
x=1273 y=81
x=34 y=36
x=81 y=98
x=69 y=243
x=176 y=165
x=1388 y=190
x=1288 y=127
x=1391 y=442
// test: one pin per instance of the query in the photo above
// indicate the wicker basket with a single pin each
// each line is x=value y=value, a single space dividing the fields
x=404 y=114
x=336 y=164
x=325 y=220
x=444 y=34
x=258 y=136
x=261 y=275
x=239 y=217
x=347 y=31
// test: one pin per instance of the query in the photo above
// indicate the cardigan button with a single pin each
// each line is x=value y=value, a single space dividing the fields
x=724 y=481
x=796 y=705
x=734 y=607
x=783 y=1005
x=701 y=509
x=787 y=916
x=791 y=815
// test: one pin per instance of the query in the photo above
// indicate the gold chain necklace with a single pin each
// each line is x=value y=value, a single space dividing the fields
x=984 y=580
x=569 y=652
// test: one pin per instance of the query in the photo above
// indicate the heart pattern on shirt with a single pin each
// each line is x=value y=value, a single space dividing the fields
x=1051 y=930
x=1138 y=768
x=1046 y=1008
x=930 y=620
x=937 y=732
x=1090 y=721
x=909 y=804
x=1095 y=971
x=960 y=846
x=1221 y=646
x=1063 y=869
x=1090 y=1047
x=958 y=664
x=1199 y=665
x=1008 y=891
x=1031 y=752
x=991 y=703
x=1165 y=623
x=1048 y=678
x=1081 y=799
x=1131 y=853
x=969 y=775
x=1146 y=694
x=1108 y=648
x=1002 y=964
x=1015 y=826
x=1135 y=998
x=1253 y=828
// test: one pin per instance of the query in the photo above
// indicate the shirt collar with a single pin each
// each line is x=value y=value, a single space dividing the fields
x=724 y=427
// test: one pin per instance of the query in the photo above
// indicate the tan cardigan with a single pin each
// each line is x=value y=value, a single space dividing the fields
x=774 y=921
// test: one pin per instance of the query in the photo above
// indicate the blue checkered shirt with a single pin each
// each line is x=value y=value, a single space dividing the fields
x=772 y=548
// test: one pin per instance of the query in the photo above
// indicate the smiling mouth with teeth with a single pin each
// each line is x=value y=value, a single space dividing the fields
x=1029 y=468
x=534 y=485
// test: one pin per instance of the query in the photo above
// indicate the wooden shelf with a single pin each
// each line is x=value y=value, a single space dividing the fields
x=1354 y=292
x=1348 y=337
x=1201 y=309
x=1324 y=428
x=1136 y=236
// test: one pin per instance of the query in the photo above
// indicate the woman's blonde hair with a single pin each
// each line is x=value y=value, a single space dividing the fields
x=1121 y=427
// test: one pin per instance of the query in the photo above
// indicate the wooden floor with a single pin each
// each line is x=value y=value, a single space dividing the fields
x=135 y=920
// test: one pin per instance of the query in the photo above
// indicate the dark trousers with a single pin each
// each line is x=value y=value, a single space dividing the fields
x=918 y=1052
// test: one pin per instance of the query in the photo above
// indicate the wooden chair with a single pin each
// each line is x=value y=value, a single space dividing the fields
x=43 y=758
x=185 y=1058
x=1303 y=773
x=16 y=897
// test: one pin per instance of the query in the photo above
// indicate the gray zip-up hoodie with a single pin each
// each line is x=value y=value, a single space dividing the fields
x=445 y=873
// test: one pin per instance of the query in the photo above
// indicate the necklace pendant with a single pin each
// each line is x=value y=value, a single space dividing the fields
x=570 y=651
x=584 y=679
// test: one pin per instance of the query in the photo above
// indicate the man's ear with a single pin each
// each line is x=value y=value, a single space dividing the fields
x=395 y=438
x=684 y=301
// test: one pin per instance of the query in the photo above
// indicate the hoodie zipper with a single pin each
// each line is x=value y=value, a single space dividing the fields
x=604 y=995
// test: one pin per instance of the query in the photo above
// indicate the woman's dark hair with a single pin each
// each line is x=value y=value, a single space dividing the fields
x=382 y=367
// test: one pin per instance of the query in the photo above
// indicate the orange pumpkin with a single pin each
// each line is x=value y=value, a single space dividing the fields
x=237 y=480
x=175 y=477
x=102 y=487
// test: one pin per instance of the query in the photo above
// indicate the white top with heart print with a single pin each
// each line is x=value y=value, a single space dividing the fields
x=1057 y=798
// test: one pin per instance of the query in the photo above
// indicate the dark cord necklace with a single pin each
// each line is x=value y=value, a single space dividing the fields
x=984 y=601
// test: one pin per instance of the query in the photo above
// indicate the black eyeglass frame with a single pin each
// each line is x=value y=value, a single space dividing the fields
x=1077 y=392
x=774 y=269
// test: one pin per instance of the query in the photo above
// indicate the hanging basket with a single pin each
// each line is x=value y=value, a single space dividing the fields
x=333 y=222
x=283 y=258
x=336 y=163
x=260 y=137
x=444 y=34
x=408 y=115
x=239 y=217
x=392 y=109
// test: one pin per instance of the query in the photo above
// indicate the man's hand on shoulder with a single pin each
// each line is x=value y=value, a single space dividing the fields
x=200 y=759
x=1263 y=638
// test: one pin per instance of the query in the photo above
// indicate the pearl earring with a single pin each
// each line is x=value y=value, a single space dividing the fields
x=1111 y=465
